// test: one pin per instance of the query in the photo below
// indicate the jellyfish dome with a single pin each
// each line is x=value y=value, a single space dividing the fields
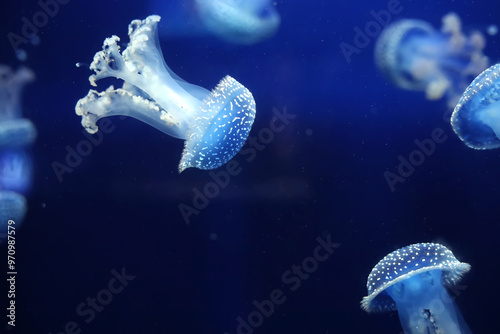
x=12 y=207
x=239 y=21
x=214 y=125
x=413 y=281
x=415 y=56
x=476 y=118
x=17 y=134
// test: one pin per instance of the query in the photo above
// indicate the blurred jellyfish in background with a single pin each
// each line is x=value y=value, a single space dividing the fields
x=214 y=125
x=17 y=134
x=415 y=56
x=234 y=21
x=413 y=281
x=476 y=118
x=12 y=207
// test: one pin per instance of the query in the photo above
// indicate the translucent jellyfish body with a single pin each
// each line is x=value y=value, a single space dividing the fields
x=213 y=124
x=239 y=21
x=234 y=21
x=16 y=136
x=12 y=207
x=16 y=170
x=476 y=118
x=415 y=56
x=413 y=281
x=16 y=133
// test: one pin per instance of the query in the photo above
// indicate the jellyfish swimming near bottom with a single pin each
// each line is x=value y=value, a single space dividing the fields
x=476 y=118
x=17 y=134
x=415 y=56
x=413 y=280
x=214 y=125
x=241 y=22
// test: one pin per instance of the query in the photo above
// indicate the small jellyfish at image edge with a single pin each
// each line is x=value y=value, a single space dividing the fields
x=17 y=134
x=12 y=208
x=476 y=118
x=413 y=281
x=234 y=21
x=214 y=125
x=415 y=56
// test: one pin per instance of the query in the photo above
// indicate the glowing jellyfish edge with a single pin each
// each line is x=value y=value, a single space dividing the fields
x=239 y=22
x=413 y=281
x=476 y=117
x=214 y=124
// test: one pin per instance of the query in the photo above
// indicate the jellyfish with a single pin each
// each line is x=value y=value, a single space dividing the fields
x=213 y=124
x=476 y=118
x=413 y=281
x=12 y=207
x=239 y=21
x=415 y=56
x=17 y=134
x=234 y=21
x=16 y=172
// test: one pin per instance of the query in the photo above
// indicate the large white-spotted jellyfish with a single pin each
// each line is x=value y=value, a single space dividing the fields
x=415 y=56
x=476 y=118
x=413 y=281
x=16 y=135
x=213 y=124
x=234 y=21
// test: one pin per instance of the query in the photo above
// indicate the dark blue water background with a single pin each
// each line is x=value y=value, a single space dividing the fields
x=322 y=175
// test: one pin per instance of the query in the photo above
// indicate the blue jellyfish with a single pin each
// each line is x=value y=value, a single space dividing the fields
x=12 y=207
x=16 y=136
x=234 y=21
x=16 y=170
x=239 y=21
x=413 y=281
x=476 y=118
x=213 y=124
x=415 y=56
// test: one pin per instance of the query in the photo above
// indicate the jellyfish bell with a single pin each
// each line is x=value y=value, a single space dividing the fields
x=413 y=281
x=13 y=208
x=239 y=21
x=415 y=56
x=391 y=55
x=221 y=126
x=476 y=117
x=17 y=133
x=242 y=22
x=213 y=124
